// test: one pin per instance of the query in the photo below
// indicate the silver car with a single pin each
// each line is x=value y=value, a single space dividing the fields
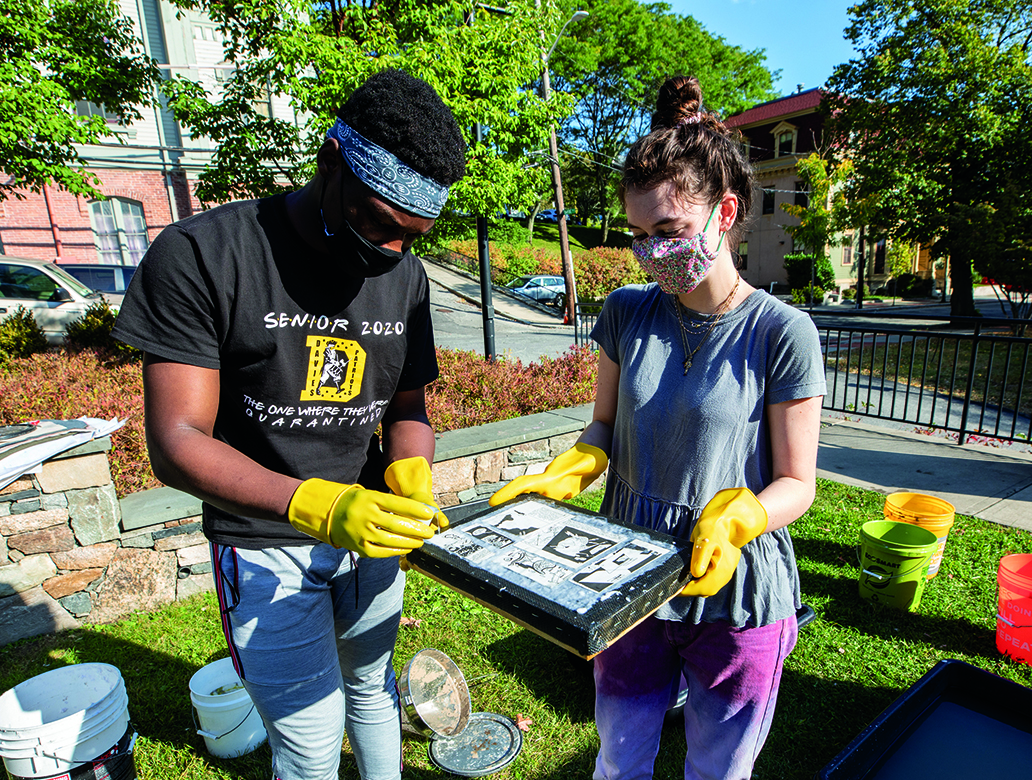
x=546 y=289
x=55 y=297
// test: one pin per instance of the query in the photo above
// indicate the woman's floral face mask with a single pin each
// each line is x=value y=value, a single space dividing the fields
x=677 y=264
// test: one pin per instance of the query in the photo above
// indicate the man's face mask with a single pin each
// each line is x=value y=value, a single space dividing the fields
x=361 y=258
x=677 y=264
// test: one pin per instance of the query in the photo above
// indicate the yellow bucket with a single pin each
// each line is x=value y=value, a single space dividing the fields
x=934 y=514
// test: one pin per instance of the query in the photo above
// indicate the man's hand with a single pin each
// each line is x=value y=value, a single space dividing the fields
x=368 y=522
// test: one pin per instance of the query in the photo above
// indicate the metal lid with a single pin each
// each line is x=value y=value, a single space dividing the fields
x=489 y=743
x=434 y=695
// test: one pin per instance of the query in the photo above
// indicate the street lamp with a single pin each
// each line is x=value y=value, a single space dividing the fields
x=557 y=182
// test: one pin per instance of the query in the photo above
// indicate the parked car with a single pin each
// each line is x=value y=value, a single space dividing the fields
x=100 y=276
x=548 y=215
x=546 y=289
x=55 y=297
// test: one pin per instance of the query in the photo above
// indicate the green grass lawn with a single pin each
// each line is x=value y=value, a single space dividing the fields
x=851 y=662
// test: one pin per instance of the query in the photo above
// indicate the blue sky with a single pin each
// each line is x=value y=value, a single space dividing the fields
x=803 y=38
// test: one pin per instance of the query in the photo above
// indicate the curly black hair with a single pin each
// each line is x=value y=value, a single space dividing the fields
x=407 y=117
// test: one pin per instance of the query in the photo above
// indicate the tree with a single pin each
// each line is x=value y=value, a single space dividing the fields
x=614 y=63
x=927 y=111
x=824 y=215
x=53 y=55
x=316 y=54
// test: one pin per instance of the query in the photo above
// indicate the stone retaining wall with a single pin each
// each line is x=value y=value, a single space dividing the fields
x=72 y=553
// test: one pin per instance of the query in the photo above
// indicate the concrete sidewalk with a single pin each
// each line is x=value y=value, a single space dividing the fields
x=505 y=305
x=981 y=481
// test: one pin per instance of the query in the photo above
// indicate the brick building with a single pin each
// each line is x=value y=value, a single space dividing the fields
x=148 y=178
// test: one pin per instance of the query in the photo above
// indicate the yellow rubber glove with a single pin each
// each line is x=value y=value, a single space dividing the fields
x=730 y=519
x=368 y=522
x=565 y=477
x=412 y=478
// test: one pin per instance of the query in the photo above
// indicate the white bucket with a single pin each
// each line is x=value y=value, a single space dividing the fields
x=228 y=721
x=62 y=719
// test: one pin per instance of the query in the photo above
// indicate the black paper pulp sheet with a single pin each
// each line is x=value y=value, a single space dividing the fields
x=574 y=576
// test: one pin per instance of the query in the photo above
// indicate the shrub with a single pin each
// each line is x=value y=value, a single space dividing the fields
x=93 y=331
x=64 y=385
x=603 y=269
x=20 y=335
x=807 y=294
x=470 y=391
x=797 y=266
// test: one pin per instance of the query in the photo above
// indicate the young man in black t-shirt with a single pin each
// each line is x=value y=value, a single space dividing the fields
x=279 y=334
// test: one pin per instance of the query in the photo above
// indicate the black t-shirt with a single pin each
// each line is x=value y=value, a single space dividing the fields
x=308 y=356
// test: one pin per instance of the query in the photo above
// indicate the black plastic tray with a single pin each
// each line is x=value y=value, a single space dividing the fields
x=577 y=610
x=958 y=721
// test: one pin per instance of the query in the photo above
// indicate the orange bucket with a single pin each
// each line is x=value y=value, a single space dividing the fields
x=1014 y=615
x=929 y=512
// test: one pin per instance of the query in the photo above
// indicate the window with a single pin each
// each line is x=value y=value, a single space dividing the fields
x=784 y=139
x=22 y=281
x=119 y=230
x=802 y=195
x=768 y=201
x=879 y=256
x=86 y=108
x=263 y=98
x=847 y=255
x=743 y=254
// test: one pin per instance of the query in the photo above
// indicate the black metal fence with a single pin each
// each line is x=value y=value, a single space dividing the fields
x=969 y=376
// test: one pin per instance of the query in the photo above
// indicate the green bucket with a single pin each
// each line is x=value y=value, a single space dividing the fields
x=894 y=559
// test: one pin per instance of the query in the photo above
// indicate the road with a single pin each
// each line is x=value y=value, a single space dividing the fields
x=458 y=324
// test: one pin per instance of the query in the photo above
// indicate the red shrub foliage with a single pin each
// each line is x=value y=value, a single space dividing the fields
x=603 y=269
x=63 y=385
x=471 y=391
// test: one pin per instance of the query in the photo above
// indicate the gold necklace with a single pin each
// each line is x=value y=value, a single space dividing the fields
x=721 y=310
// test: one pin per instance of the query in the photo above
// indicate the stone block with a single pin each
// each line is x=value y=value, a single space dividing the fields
x=536 y=468
x=489 y=466
x=188 y=556
x=53 y=539
x=54 y=500
x=447 y=499
x=94 y=514
x=18 y=486
x=64 y=474
x=32 y=613
x=136 y=580
x=32 y=521
x=451 y=476
x=178 y=542
x=28 y=573
x=138 y=540
x=3 y=550
x=96 y=556
x=560 y=444
x=19 y=495
x=465 y=496
x=529 y=452
x=191 y=586
x=198 y=568
x=509 y=473
x=15 y=555
x=78 y=604
x=22 y=507
x=488 y=489
x=66 y=584
x=158 y=506
x=176 y=530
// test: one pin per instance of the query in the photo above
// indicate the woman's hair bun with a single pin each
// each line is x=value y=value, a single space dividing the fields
x=679 y=102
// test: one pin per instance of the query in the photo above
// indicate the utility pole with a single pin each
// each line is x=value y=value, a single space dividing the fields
x=557 y=181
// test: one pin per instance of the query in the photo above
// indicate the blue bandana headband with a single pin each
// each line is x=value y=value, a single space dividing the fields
x=388 y=176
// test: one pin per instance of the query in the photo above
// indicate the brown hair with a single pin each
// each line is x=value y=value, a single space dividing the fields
x=690 y=147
